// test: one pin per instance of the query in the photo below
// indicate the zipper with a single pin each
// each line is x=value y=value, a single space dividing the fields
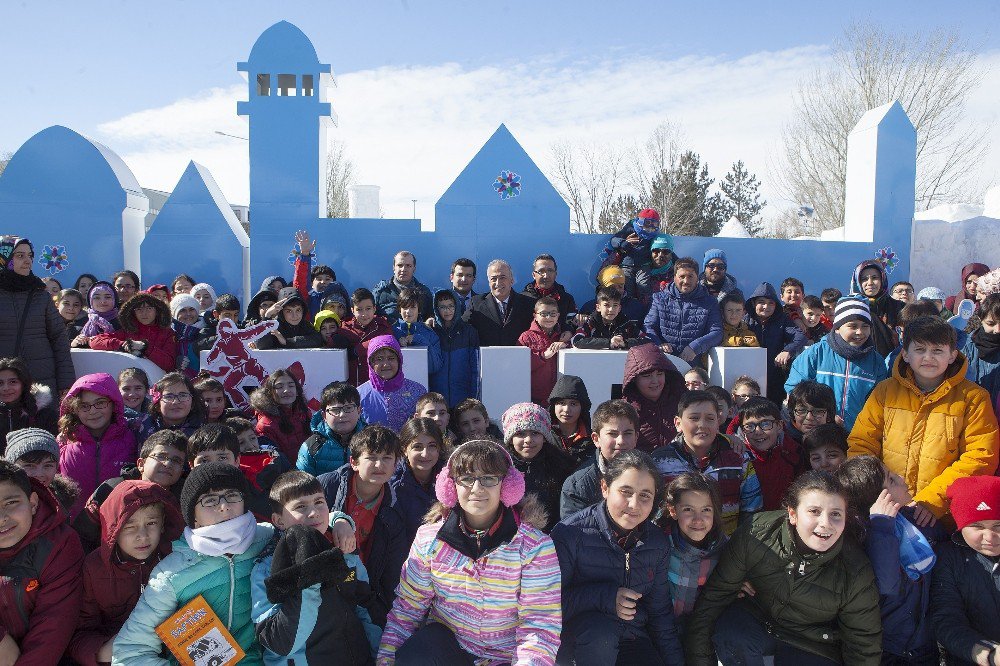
x=843 y=400
x=628 y=571
x=802 y=568
x=232 y=589
x=97 y=469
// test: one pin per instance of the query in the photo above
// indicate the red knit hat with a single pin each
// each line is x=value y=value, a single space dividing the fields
x=649 y=214
x=975 y=498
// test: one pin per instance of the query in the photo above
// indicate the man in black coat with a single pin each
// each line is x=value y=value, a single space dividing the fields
x=544 y=284
x=501 y=315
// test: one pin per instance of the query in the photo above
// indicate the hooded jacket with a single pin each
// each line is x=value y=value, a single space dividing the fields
x=390 y=402
x=40 y=414
x=685 y=320
x=161 y=344
x=579 y=445
x=386 y=293
x=423 y=336
x=965 y=599
x=974 y=268
x=543 y=370
x=825 y=603
x=519 y=617
x=458 y=376
x=298 y=336
x=112 y=582
x=90 y=461
x=884 y=308
x=357 y=361
x=285 y=427
x=40 y=584
x=544 y=475
x=324 y=452
x=929 y=439
x=44 y=343
x=777 y=334
x=656 y=418
x=983 y=369
x=253 y=307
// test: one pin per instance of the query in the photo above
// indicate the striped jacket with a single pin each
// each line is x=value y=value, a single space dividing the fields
x=504 y=607
x=741 y=495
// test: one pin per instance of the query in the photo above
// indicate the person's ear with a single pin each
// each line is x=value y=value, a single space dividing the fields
x=677 y=423
x=277 y=521
x=33 y=501
x=604 y=488
x=791 y=516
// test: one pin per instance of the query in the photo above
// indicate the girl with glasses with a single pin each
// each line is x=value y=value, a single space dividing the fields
x=175 y=404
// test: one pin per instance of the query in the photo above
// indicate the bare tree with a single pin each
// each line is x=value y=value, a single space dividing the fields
x=661 y=153
x=339 y=177
x=932 y=76
x=588 y=176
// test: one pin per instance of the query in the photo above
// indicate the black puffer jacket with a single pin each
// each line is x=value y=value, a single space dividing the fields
x=44 y=344
x=544 y=476
x=965 y=599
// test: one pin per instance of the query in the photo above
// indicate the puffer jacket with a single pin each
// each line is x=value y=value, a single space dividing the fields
x=983 y=370
x=90 y=461
x=851 y=381
x=738 y=336
x=386 y=294
x=458 y=377
x=685 y=320
x=44 y=343
x=520 y=617
x=40 y=585
x=825 y=603
x=414 y=498
x=390 y=402
x=929 y=439
x=777 y=334
x=285 y=427
x=594 y=566
x=422 y=337
x=965 y=599
x=543 y=370
x=357 y=361
x=223 y=581
x=323 y=452
x=583 y=487
x=656 y=419
x=161 y=343
x=18 y=415
x=113 y=582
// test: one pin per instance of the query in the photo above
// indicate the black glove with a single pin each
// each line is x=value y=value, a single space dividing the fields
x=134 y=347
x=304 y=557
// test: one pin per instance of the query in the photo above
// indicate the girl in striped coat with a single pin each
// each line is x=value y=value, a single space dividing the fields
x=481 y=572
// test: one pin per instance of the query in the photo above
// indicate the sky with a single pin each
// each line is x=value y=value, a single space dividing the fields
x=422 y=85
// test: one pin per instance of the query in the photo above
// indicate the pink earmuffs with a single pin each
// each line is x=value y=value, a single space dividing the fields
x=511 y=488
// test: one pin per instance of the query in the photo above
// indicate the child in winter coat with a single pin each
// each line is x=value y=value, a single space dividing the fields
x=814 y=591
x=528 y=438
x=964 y=593
x=134 y=386
x=186 y=325
x=40 y=558
x=145 y=332
x=434 y=406
x=327 y=323
x=458 y=376
x=871 y=282
x=213 y=558
x=424 y=455
x=365 y=326
x=614 y=565
x=70 y=303
x=333 y=426
x=608 y=327
x=282 y=416
x=814 y=319
x=782 y=337
x=94 y=439
x=902 y=556
x=653 y=386
x=970 y=274
x=102 y=313
x=204 y=293
x=314 y=283
x=775 y=455
x=631 y=248
x=411 y=332
x=139 y=520
x=569 y=411
x=22 y=403
x=388 y=397
x=36 y=452
x=735 y=331
x=213 y=397
x=544 y=339
x=174 y=405
x=294 y=329
x=483 y=522
x=825 y=447
x=810 y=405
x=982 y=349
x=845 y=360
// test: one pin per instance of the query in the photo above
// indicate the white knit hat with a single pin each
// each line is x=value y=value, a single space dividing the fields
x=181 y=301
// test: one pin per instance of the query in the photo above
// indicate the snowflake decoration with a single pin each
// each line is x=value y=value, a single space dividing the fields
x=507 y=184
x=295 y=253
x=887 y=258
x=54 y=258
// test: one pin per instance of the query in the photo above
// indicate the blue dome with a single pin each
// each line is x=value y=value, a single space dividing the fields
x=284 y=48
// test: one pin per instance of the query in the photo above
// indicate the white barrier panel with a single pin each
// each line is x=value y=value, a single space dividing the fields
x=505 y=375
x=725 y=364
x=602 y=370
x=315 y=368
x=89 y=361
x=415 y=364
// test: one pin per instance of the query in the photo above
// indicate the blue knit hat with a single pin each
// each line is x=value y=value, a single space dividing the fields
x=715 y=253
x=663 y=241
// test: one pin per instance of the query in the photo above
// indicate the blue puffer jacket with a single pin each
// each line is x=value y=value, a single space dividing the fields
x=685 y=320
x=594 y=566
x=414 y=499
x=851 y=381
x=179 y=578
x=323 y=452
x=983 y=371
x=422 y=337
x=458 y=377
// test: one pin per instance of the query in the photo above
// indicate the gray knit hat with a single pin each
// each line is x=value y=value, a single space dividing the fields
x=26 y=440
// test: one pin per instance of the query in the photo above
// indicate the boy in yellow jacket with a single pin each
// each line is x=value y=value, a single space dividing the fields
x=927 y=422
x=735 y=332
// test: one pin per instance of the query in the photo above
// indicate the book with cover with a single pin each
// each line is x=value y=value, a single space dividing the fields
x=196 y=636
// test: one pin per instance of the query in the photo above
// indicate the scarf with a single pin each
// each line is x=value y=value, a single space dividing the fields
x=665 y=268
x=915 y=553
x=99 y=322
x=642 y=233
x=988 y=344
x=477 y=543
x=841 y=347
x=11 y=281
x=387 y=385
x=231 y=537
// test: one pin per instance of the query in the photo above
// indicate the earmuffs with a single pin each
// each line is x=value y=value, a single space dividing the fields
x=511 y=488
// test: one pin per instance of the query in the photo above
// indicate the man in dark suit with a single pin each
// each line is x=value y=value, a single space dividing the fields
x=501 y=315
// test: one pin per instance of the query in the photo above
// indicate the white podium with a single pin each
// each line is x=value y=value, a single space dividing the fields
x=725 y=364
x=601 y=370
x=505 y=378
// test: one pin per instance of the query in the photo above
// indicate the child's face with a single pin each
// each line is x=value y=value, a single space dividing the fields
x=742 y=393
x=699 y=423
x=70 y=307
x=871 y=281
x=437 y=412
x=446 y=310
x=133 y=392
x=339 y=308
x=615 y=436
x=761 y=432
x=630 y=497
x=341 y=417
x=228 y=503
x=178 y=408
x=44 y=471
x=733 y=313
x=385 y=363
x=145 y=314
x=94 y=411
x=364 y=312
x=829 y=307
x=322 y=281
x=248 y=440
x=827 y=458
x=472 y=424
x=292 y=313
x=991 y=324
x=328 y=329
x=84 y=284
x=422 y=454
x=160 y=295
x=10 y=387
x=182 y=286
x=215 y=455
x=204 y=298
x=929 y=362
x=163 y=466
x=763 y=308
x=479 y=502
x=16 y=512
x=102 y=301
x=187 y=316
x=983 y=537
x=791 y=295
x=897 y=488
x=374 y=468
x=972 y=284
x=141 y=534
x=693 y=381
x=276 y=285
x=264 y=306
x=567 y=410
x=231 y=315
x=855 y=333
x=694 y=514
x=811 y=316
x=409 y=314
x=806 y=417
x=608 y=309
x=546 y=316
x=527 y=443
x=215 y=403
x=723 y=411
x=285 y=391
x=650 y=384
x=309 y=510
x=819 y=519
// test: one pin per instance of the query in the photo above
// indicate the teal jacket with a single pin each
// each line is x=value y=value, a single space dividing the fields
x=323 y=452
x=184 y=574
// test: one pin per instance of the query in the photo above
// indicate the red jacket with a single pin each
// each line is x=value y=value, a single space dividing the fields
x=285 y=427
x=357 y=364
x=543 y=370
x=40 y=584
x=776 y=468
x=161 y=345
x=112 y=583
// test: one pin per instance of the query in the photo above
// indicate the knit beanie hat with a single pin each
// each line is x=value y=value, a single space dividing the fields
x=287 y=292
x=974 y=498
x=715 y=253
x=322 y=316
x=26 y=440
x=610 y=275
x=851 y=309
x=989 y=283
x=931 y=294
x=181 y=301
x=649 y=214
x=663 y=241
x=206 y=477
x=330 y=299
x=526 y=416
x=204 y=286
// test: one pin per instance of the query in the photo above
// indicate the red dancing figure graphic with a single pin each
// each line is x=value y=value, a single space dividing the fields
x=232 y=362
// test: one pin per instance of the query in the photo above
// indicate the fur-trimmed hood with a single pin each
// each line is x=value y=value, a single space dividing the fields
x=42 y=395
x=126 y=314
x=529 y=510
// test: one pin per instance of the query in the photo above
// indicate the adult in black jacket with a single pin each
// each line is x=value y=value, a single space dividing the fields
x=544 y=284
x=496 y=328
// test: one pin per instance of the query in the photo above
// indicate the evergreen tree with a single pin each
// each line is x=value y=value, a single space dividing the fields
x=681 y=195
x=740 y=198
x=622 y=209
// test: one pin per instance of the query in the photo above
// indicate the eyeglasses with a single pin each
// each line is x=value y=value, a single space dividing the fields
x=340 y=411
x=715 y=267
x=763 y=425
x=743 y=397
x=487 y=481
x=231 y=497
x=815 y=413
x=545 y=271
x=175 y=397
x=446 y=308
x=99 y=405
x=547 y=315
x=125 y=287
x=164 y=459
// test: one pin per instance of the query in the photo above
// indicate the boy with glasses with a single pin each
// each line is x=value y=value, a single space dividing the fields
x=775 y=455
x=337 y=421
x=544 y=339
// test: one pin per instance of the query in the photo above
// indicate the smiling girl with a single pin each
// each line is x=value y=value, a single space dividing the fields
x=388 y=397
x=145 y=332
x=282 y=415
x=424 y=455
x=102 y=315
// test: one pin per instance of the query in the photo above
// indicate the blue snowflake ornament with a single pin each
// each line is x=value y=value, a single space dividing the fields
x=295 y=253
x=54 y=258
x=507 y=184
x=887 y=258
